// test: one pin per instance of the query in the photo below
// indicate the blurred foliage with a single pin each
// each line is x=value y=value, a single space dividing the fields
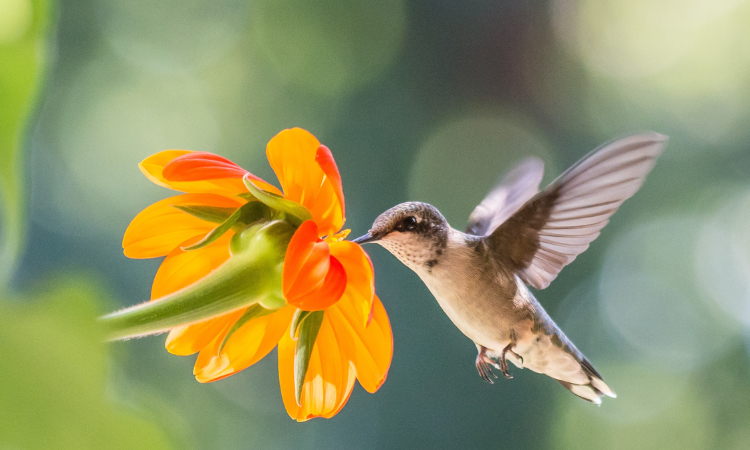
x=54 y=376
x=418 y=100
x=24 y=31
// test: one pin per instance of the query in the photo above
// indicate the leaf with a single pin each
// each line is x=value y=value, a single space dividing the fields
x=253 y=312
x=251 y=274
x=23 y=63
x=216 y=214
x=308 y=333
x=278 y=202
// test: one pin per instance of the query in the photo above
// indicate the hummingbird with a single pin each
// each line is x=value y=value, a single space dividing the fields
x=519 y=237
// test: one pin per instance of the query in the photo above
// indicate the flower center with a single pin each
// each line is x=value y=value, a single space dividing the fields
x=340 y=236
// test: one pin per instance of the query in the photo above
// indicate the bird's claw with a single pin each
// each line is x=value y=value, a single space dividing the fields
x=484 y=370
x=504 y=361
x=504 y=367
x=483 y=363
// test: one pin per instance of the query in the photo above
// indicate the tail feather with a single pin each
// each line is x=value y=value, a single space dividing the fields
x=586 y=392
x=592 y=391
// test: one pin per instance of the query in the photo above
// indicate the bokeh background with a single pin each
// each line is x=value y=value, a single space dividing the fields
x=419 y=100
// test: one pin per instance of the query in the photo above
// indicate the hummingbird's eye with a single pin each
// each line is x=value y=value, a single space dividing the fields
x=408 y=224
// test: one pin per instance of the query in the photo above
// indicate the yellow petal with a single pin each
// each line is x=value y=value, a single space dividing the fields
x=370 y=347
x=360 y=278
x=329 y=380
x=160 y=228
x=292 y=155
x=189 y=339
x=181 y=268
x=247 y=345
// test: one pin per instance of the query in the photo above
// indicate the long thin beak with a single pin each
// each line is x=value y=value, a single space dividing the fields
x=364 y=239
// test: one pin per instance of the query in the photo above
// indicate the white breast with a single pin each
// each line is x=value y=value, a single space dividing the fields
x=468 y=293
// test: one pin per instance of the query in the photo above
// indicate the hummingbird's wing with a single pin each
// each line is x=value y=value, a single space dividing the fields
x=515 y=189
x=559 y=223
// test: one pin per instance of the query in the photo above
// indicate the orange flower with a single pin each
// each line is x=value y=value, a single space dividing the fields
x=321 y=273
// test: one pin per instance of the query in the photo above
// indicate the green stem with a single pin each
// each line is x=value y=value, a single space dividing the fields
x=246 y=278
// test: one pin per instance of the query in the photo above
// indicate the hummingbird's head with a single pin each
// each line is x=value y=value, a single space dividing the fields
x=414 y=232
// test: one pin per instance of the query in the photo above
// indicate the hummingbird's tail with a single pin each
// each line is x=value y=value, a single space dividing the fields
x=592 y=391
x=547 y=350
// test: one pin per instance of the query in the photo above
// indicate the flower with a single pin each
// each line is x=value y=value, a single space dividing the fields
x=323 y=313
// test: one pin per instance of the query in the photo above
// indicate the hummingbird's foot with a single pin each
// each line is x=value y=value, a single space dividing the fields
x=483 y=363
x=504 y=362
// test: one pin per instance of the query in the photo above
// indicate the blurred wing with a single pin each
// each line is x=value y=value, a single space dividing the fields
x=559 y=223
x=515 y=189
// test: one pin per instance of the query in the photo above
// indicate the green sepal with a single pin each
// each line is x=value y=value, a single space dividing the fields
x=216 y=233
x=308 y=333
x=215 y=214
x=253 y=312
x=253 y=211
x=278 y=202
x=247 y=277
x=297 y=319
x=243 y=216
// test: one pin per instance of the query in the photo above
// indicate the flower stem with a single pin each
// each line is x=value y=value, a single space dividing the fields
x=252 y=273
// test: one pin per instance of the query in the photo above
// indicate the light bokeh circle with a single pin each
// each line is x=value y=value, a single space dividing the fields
x=461 y=161
x=637 y=38
x=172 y=36
x=654 y=410
x=108 y=122
x=722 y=266
x=329 y=47
x=651 y=297
x=677 y=66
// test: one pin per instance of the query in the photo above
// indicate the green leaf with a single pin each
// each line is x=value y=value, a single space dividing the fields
x=216 y=214
x=216 y=233
x=308 y=334
x=278 y=202
x=252 y=273
x=23 y=63
x=253 y=312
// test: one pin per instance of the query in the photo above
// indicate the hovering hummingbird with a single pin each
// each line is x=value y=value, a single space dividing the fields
x=518 y=236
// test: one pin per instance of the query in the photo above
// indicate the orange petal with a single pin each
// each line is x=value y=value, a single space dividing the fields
x=326 y=294
x=197 y=166
x=312 y=279
x=293 y=155
x=329 y=380
x=158 y=229
x=369 y=348
x=306 y=261
x=360 y=278
x=153 y=167
x=247 y=345
x=327 y=164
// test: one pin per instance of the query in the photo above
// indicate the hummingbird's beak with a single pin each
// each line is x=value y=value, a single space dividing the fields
x=364 y=239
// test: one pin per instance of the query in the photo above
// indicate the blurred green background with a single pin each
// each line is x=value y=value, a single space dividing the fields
x=419 y=100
